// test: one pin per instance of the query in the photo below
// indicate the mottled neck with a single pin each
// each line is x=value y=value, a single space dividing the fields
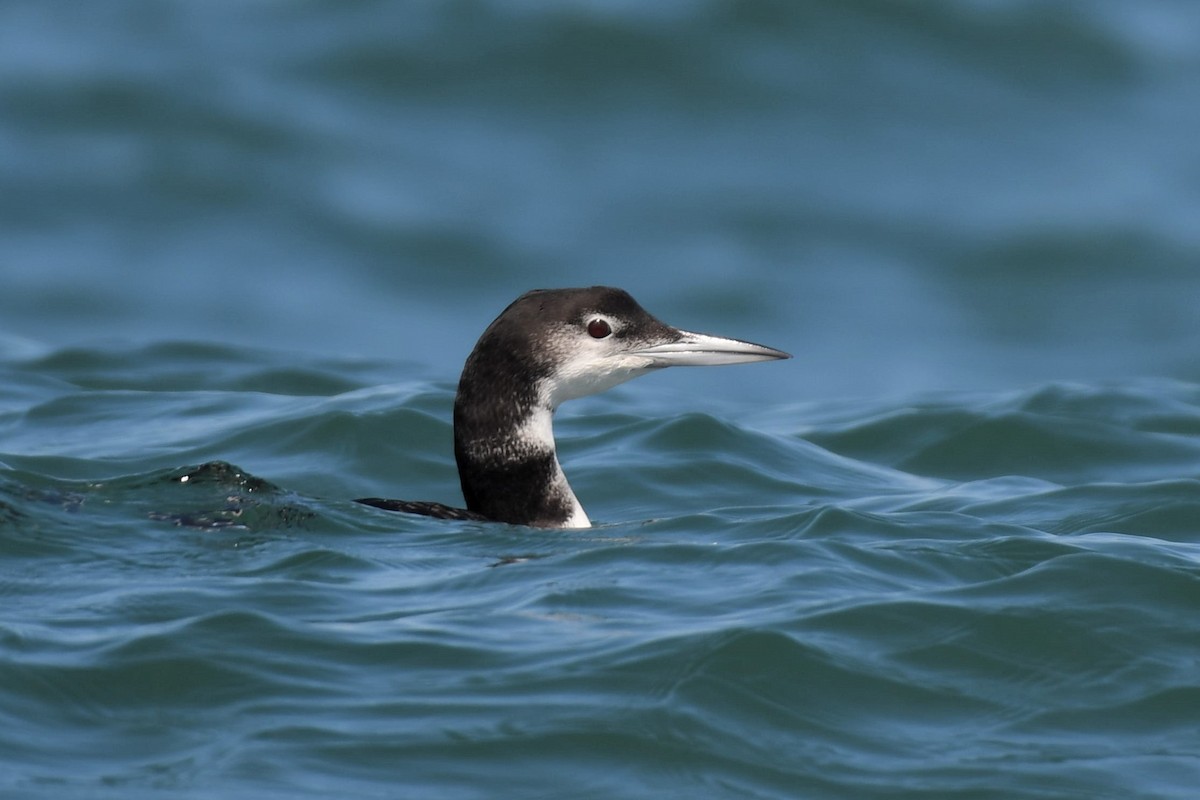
x=507 y=462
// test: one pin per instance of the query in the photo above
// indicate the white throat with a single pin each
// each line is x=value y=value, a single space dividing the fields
x=538 y=430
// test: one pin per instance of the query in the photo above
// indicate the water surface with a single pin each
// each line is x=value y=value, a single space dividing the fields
x=948 y=551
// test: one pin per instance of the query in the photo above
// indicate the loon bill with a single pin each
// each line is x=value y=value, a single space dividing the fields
x=547 y=347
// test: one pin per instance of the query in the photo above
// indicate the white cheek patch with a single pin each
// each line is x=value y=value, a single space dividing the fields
x=591 y=373
x=585 y=365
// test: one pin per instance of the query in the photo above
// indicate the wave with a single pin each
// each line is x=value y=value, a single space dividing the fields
x=875 y=598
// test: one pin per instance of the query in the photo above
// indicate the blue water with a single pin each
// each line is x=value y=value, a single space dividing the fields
x=951 y=550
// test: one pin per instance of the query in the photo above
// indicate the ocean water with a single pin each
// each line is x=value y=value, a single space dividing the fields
x=950 y=550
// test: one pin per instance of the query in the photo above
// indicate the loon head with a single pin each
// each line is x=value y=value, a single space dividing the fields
x=547 y=347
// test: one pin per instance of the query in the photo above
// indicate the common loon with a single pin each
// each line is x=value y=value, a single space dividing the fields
x=547 y=347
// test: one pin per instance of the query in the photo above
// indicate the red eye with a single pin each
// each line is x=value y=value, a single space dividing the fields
x=598 y=329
